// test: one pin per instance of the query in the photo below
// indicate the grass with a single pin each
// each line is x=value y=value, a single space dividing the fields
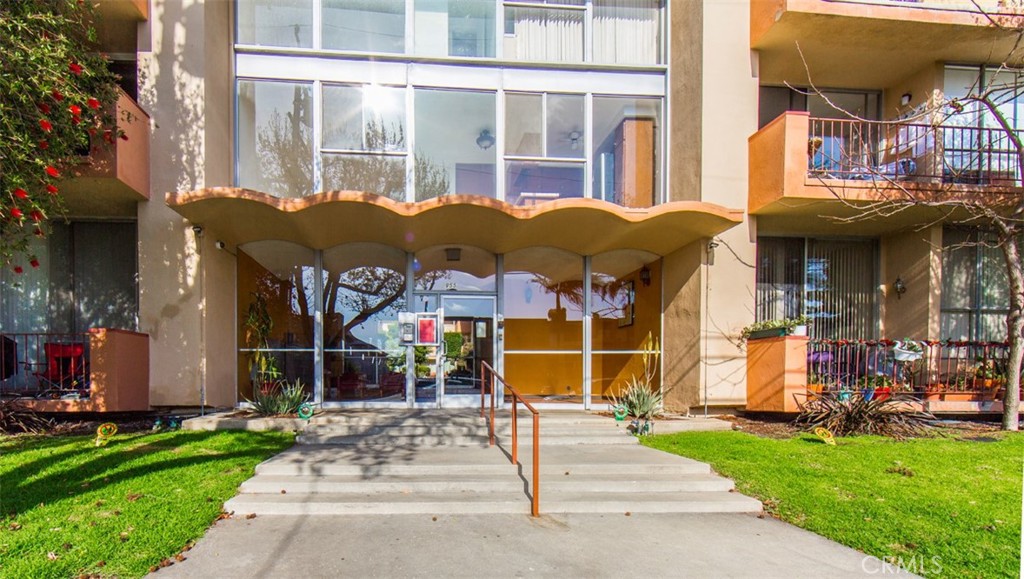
x=70 y=508
x=958 y=499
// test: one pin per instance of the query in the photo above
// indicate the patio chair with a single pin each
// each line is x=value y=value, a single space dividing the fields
x=65 y=370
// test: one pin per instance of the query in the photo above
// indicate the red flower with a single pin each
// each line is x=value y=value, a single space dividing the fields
x=37 y=215
x=20 y=193
x=56 y=95
x=44 y=145
x=39 y=232
x=34 y=262
x=76 y=120
x=15 y=213
x=18 y=269
x=45 y=108
x=75 y=68
x=51 y=189
x=52 y=171
x=93 y=103
x=75 y=110
x=124 y=137
x=45 y=125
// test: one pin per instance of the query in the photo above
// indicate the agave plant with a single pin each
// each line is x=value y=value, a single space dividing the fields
x=279 y=398
x=640 y=399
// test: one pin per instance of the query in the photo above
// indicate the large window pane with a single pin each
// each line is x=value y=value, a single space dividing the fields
x=613 y=373
x=453 y=157
x=378 y=174
x=463 y=28
x=364 y=289
x=275 y=280
x=627 y=150
x=544 y=34
x=524 y=124
x=364 y=25
x=565 y=126
x=543 y=300
x=364 y=118
x=276 y=23
x=780 y=278
x=532 y=182
x=840 y=289
x=275 y=137
x=627 y=31
x=550 y=377
x=625 y=308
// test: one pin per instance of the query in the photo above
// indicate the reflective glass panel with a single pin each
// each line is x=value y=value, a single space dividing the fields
x=275 y=137
x=364 y=25
x=286 y=23
x=627 y=149
x=455 y=153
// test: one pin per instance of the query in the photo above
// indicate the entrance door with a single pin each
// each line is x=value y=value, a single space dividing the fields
x=468 y=339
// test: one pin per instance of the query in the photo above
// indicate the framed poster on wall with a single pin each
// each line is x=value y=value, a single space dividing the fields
x=426 y=329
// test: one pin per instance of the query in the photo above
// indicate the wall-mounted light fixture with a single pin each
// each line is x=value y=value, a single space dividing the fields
x=906 y=98
x=900 y=287
x=453 y=254
x=645 y=276
x=486 y=140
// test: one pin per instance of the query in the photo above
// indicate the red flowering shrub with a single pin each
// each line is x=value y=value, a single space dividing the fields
x=56 y=87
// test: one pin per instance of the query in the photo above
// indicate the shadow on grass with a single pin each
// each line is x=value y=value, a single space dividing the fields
x=22 y=492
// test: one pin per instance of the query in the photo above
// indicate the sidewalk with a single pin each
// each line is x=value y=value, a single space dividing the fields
x=639 y=545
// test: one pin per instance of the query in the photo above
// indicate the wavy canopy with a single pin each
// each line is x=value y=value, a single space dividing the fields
x=583 y=226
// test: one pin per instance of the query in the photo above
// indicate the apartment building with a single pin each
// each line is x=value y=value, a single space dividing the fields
x=396 y=192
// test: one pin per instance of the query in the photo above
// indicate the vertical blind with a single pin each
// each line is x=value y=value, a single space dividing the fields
x=831 y=281
x=627 y=31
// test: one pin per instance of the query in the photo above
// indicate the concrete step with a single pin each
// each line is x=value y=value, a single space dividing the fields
x=469 y=502
x=390 y=440
x=340 y=429
x=601 y=483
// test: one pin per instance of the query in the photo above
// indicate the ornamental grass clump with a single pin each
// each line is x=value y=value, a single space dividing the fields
x=279 y=398
x=16 y=418
x=850 y=413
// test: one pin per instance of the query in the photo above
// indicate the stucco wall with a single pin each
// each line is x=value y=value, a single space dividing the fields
x=729 y=117
x=180 y=48
x=914 y=257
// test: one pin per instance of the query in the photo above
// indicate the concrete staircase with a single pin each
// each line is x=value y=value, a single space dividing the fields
x=439 y=462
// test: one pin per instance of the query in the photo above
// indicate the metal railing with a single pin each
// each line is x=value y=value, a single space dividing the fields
x=44 y=365
x=486 y=369
x=925 y=368
x=884 y=151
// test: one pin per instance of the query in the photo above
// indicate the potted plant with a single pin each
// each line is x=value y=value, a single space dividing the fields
x=776 y=328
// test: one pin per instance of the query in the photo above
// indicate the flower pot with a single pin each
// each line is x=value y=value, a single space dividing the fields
x=768 y=333
x=799 y=330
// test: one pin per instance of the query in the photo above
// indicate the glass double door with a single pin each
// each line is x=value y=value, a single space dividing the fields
x=449 y=374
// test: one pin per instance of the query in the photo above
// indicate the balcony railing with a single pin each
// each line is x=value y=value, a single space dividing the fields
x=102 y=370
x=911 y=153
x=931 y=370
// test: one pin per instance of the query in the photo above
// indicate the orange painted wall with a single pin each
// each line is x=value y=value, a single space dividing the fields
x=776 y=374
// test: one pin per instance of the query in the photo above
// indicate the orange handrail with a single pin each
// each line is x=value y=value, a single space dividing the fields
x=516 y=398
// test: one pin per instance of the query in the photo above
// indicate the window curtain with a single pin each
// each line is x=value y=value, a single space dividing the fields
x=780 y=278
x=627 y=31
x=546 y=34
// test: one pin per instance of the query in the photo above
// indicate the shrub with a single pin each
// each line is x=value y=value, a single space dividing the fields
x=16 y=418
x=279 y=398
x=849 y=413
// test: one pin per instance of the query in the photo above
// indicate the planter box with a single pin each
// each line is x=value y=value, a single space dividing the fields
x=769 y=333
x=777 y=374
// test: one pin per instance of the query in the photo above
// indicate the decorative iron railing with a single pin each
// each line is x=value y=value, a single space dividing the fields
x=907 y=152
x=44 y=365
x=931 y=369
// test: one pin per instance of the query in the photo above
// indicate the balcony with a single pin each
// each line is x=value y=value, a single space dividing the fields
x=949 y=376
x=112 y=179
x=853 y=43
x=102 y=370
x=807 y=174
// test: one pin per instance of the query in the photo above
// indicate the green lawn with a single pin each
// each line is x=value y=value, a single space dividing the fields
x=68 y=507
x=946 y=497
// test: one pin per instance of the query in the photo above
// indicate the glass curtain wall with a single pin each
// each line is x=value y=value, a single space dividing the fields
x=831 y=281
x=455 y=152
x=275 y=137
x=543 y=309
x=625 y=303
x=624 y=32
x=364 y=140
x=544 y=147
x=363 y=291
x=276 y=296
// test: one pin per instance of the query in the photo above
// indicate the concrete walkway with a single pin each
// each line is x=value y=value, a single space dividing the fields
x=495 y=545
